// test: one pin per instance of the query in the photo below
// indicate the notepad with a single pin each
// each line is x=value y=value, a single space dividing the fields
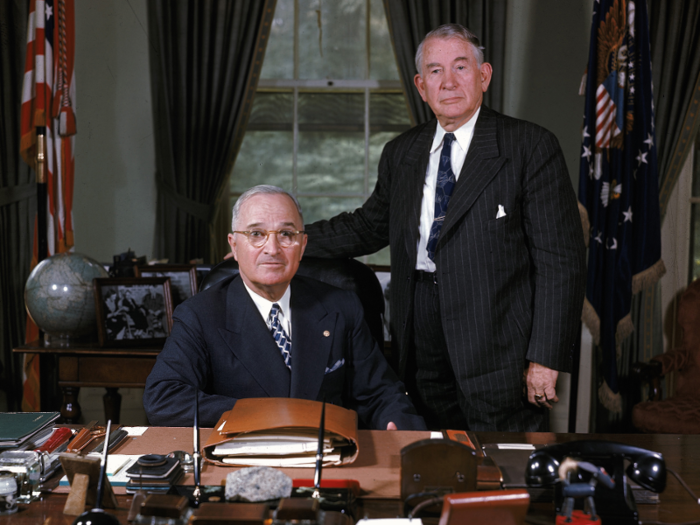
x=18 y=427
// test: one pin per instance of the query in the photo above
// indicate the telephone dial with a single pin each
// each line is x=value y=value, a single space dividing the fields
x=614 y=504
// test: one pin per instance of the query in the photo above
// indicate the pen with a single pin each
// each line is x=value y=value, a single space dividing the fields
x=319 y=453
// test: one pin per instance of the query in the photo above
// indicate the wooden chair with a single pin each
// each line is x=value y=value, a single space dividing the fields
x=679 y=413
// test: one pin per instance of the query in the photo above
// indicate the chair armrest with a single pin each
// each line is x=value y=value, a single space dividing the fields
x=672 y=360
x=651 y=373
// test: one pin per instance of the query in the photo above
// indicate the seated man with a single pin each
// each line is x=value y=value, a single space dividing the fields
x=267 y=333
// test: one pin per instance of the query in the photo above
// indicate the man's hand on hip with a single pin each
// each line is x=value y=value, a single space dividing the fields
x=541 y=385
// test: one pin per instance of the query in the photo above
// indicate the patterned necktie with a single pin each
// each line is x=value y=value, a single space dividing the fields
x=281 y=338
x=443 y=189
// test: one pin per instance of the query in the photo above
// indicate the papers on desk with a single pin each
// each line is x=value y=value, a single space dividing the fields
x=117 y=465
x=281 y=432
x=289 y=448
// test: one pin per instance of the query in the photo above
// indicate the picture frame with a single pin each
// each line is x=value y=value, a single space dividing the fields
x=183 y=279
x=133 y=311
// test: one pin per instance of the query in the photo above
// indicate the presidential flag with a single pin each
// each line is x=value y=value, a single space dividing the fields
x=619 y=183
x=48 y=98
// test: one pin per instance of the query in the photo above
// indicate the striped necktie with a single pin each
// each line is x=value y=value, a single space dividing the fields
x=281 y=338
x=443 y=189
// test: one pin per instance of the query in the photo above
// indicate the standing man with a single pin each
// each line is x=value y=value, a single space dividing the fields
x=487 y=251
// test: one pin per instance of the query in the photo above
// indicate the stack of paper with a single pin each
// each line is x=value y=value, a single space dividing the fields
x=287 y=448
x=282 y=432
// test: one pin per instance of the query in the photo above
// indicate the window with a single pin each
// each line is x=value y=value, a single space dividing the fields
x=695 y=212
x=328 y=100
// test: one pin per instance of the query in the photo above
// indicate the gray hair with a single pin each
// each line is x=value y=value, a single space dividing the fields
x=450 y=31
x=261 y=189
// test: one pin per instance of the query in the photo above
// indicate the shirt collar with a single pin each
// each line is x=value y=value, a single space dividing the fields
x=462 y=135
x=264 y=306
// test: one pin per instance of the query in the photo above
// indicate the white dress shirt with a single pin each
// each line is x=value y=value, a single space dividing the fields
x=460 y=147
x=264 y=306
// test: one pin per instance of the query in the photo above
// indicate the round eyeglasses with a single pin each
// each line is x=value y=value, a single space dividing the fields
x=285 y=238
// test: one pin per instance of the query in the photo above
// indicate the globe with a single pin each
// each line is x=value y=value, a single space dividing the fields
x=59 y=295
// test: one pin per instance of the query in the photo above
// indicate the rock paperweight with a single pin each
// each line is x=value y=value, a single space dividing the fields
x=257 y=484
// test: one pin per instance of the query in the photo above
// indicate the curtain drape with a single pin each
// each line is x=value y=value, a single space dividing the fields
x=410 y=20
x=675 y=46
x=205 y=61
x=17 y=199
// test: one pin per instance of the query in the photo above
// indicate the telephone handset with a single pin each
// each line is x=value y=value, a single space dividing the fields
x=646 y=468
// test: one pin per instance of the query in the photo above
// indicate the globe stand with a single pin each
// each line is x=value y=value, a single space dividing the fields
x=58 y=341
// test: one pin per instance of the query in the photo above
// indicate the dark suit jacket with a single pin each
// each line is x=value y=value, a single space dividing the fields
x=221 y=346
x=511 y=289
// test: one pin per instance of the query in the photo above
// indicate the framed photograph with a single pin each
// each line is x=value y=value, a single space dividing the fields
x=183 y=278
x=133 y=311
x=383 y=274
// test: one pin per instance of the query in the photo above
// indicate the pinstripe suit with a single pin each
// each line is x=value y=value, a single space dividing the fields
x=511 y=289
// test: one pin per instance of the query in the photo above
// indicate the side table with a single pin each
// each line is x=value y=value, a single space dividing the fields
x=92 y=366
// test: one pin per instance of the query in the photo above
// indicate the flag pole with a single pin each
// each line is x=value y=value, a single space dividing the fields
x=41 y=194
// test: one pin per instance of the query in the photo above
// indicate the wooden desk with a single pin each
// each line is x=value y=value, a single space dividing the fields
x=85 y=365
x=378 y=468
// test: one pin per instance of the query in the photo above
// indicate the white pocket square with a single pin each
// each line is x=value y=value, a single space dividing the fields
x=336 y=366
x=501 y=211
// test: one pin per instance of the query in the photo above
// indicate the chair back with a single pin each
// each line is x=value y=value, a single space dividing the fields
x=689 y=321
x=348 y=274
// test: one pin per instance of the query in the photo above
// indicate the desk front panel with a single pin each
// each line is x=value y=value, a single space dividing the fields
x=104 y=371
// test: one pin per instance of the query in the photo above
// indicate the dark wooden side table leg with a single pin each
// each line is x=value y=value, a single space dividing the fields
x=70 y=410
x=113 y=404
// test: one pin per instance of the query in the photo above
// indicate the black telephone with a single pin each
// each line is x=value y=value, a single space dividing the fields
x=616 y=505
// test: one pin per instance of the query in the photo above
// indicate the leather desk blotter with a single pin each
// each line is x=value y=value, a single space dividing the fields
x=266 y=423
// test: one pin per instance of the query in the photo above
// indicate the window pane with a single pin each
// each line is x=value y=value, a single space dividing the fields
x=382 y=65
x=272 y=111
x=695 y=241
x=388 y=112
x=382 y=257
x=337 y=111
x=696 y=167
x=279 y=54
x=331 y=162
x=377 y=141
x=332 y=39
x=265 y=158
x=317 y=208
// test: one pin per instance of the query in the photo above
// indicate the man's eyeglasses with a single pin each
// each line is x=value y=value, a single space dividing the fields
x=285 y=238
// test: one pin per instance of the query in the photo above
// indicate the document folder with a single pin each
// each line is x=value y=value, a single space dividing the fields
x=281 y=432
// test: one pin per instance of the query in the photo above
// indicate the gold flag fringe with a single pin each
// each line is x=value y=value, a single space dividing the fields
x=609 y=399
x=648 y=277
x=625 y=327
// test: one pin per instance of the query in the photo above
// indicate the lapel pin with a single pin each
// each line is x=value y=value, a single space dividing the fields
x=326 y=333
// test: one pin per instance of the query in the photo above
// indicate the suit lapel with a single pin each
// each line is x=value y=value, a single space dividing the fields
x=249 y=339
x=415 y=166
x=481 y=165
x=310 y=347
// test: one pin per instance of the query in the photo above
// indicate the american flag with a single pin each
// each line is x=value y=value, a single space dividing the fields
x=619 y=182
x=48 y=98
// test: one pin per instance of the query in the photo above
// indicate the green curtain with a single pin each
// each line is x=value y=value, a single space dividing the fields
x=410 y=20
x=205 y=61
x=675 y=46
x=17 y=199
